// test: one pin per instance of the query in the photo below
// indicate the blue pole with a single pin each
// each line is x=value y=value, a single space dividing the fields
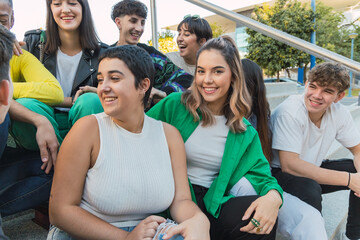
x=301 y=74
x=313 y=36
x=352 y=56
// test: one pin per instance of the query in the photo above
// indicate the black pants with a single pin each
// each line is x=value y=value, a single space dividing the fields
x=227 y=225
x=310 y=191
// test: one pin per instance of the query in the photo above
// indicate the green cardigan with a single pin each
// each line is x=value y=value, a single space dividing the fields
x=243 y=156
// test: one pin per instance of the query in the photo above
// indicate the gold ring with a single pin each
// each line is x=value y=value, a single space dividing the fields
x=259 y=230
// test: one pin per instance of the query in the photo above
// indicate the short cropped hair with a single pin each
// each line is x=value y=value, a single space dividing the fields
x=129 y=7
x=6 y=51
x=199 y=26
x=137 y=60
x=330 y=74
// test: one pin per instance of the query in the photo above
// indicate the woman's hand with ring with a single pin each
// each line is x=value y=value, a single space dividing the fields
x=265 y=210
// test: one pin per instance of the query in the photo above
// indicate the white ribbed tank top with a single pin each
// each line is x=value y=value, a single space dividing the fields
x=132 y=177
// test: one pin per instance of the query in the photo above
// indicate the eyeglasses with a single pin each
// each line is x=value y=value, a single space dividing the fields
x=194 y=17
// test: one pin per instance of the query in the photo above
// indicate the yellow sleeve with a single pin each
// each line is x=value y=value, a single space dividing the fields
x=32 y=80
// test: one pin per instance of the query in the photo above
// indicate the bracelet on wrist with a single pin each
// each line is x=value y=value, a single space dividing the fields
x=349 y=180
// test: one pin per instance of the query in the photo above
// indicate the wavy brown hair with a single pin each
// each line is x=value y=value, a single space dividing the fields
x=238 y=104
x=88 y=37
x=330 y=74
x=260 y=105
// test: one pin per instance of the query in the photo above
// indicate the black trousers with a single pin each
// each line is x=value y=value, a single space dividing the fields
x=227 y=225
x=310 y=191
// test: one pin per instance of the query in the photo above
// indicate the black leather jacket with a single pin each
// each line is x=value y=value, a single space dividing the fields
x=88 y=65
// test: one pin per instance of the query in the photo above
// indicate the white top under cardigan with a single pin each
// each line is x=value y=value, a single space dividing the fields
x=132 y=177
x=204 y=151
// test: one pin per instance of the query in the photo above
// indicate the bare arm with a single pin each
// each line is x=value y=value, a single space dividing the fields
x=45 y=134
x=292 y=164
x=356 y=152
x=68 y=185
x=193 y=223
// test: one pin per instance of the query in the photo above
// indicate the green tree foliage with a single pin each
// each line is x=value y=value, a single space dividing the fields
x=296 y=19
x=329 y=33
x=327 y=22
x=166 y=42
x=217 y=30
x=288 y=16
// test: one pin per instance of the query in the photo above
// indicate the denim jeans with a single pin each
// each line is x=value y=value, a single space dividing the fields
x=310 y=191
x=58 y=234
x=2 y=235
x=23 y=185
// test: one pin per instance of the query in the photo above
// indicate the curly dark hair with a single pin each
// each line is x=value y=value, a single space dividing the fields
x=330 y=74
x=129 y=7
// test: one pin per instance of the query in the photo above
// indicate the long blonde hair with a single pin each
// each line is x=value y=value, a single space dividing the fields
x=238 y=104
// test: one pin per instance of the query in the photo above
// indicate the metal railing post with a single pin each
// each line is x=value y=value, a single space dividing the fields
x=154 y=25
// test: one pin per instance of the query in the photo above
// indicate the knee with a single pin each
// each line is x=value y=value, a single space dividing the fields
x=86 y=104
x=32 y=104
x=87 y=99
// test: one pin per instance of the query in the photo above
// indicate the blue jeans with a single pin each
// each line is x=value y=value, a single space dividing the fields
x=58 y=234
x=2 y=235
x=23 y=185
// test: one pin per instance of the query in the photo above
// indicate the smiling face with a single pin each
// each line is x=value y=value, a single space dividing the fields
x=188 y=44
x=116 y=89
x=318 y=99
x=131 y=28
x=67 y=14
x=213 y=79
x=6 y=14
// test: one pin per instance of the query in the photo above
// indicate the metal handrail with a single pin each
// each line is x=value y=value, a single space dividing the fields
x=154 y=29
x=280 y=36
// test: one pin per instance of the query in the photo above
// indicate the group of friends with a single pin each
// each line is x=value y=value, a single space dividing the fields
x=154 y=146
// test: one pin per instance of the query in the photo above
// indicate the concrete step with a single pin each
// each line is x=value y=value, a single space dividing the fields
x=276 y=93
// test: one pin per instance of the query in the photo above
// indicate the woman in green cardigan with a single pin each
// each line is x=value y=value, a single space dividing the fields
x=222 y=148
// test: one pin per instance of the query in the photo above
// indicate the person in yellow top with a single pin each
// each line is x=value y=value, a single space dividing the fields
x=34 y=86
x=32 y=80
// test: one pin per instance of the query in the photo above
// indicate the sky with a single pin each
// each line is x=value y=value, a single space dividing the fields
x=31 y=14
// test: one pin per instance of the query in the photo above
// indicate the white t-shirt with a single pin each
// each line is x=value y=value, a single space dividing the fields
x=293 y=130
x=204 y=151
x=179 y=61
x=66 y=68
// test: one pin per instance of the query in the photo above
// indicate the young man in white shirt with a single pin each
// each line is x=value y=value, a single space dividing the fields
x=304 y=128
